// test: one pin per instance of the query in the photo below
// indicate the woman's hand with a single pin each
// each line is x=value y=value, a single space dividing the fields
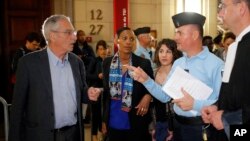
x=170 y=136
x=142 y=107
x=104 y=128
x=100 y=75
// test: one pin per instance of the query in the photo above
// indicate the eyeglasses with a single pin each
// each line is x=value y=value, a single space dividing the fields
x=69 y=32
x=224 y=6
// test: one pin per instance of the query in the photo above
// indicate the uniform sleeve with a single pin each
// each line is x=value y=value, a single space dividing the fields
x=156 y=90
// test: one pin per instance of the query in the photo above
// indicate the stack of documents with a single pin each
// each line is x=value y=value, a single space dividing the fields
x=181 y=79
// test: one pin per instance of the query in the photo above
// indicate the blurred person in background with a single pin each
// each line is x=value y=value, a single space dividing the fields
x=228 y=39
x=95 y=75
x=208 y=41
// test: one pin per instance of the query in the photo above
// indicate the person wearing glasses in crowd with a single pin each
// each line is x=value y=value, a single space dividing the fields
x=197 y=61
x=233 y=106
x=50 y=85
x=125 y=112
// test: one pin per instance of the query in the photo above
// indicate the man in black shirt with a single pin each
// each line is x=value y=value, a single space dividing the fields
x=83 y=49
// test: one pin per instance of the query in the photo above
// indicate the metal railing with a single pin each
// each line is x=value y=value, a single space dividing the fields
x=6 y=117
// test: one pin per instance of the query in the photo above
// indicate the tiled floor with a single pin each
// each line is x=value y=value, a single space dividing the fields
x=86 y=127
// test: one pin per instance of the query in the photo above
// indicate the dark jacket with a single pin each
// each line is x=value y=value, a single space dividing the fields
x=95 y=67
x=138 y=124
x=235 y=95
x=19 y=53
x=32 y=111
x=87 y=53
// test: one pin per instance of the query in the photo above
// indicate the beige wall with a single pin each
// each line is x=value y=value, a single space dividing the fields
x=154 y=13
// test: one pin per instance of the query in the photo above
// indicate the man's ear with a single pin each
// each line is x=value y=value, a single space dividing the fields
x=51 y=36
x=195 y=34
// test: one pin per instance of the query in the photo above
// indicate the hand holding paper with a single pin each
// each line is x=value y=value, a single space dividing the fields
x=186 y=102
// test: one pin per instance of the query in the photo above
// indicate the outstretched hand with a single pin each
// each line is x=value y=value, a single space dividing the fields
x=138 y=74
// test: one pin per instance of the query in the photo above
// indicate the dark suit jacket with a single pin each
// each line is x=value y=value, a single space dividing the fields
x=139 y=124
x=32 y=111
x=235 y=95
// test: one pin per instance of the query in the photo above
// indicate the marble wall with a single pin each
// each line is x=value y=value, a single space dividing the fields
x=95 y=17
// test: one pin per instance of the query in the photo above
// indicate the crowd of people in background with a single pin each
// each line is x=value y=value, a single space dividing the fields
x=132 y=105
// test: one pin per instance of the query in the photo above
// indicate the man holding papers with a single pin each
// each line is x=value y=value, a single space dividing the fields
x=200 y=64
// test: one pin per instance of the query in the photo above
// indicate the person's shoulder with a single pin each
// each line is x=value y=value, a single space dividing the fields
x=33 y=56
x=213 y=58
x=140 y=61
x=138 y=51
x=137 y=58
x=36 y=53
x=245 y=38
x=180 y=60
x=107 y=60
x=106 y=63
x=212 y=62
x=74 y=56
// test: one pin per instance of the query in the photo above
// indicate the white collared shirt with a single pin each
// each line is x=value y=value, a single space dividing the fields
x=231 y=55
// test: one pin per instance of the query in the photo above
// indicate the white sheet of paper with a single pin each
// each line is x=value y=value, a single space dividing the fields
x=182 y=79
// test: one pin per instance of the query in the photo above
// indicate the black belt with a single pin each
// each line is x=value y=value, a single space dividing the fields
x=189 y=120
x=63 y=129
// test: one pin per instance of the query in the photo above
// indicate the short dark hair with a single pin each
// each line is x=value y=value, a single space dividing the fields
x=33 y=36
x=171 y=44
x=101 y=43
x=229 y=35
x=119 y=31
x=206 y=38
x=218 y=39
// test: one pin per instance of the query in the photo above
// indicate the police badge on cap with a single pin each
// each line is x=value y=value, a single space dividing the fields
x=185 y=18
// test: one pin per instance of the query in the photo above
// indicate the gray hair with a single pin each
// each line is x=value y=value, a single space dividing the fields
x=51 y=23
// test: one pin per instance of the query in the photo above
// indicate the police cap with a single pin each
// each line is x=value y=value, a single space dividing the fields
x=142 y=30
x=185 y=18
